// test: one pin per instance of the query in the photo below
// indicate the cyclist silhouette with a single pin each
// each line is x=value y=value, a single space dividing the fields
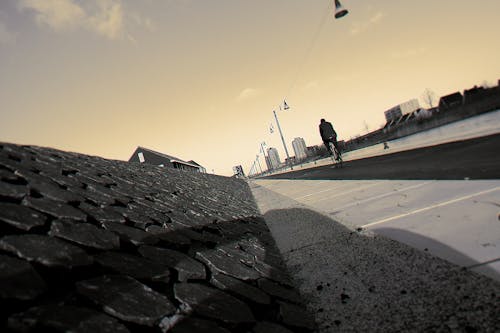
x=328 y=135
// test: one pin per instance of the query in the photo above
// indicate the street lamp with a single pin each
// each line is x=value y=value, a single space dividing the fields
x=340 y=11
x=282 y=138
x=258 y=162
x=262 y=145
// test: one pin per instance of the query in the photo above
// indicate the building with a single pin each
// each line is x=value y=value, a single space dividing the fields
x=450 y=101
x=300 y=148
x=393 y=114
x=238 y=171
x=313 y=151
x=268 y=162
x=410 y=106
x=144 y=155
x=274 y=158
x=202 y=169
x=402 y=109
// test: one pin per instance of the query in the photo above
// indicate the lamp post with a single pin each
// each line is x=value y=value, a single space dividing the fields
x=262 y=144
x=250 y=173
x=282 y=138
x=258 y=162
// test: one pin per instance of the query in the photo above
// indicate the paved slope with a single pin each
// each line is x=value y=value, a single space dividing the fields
x=360 y=282
x=94 y=245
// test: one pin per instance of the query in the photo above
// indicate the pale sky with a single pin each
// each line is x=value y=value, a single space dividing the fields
x=199 y=79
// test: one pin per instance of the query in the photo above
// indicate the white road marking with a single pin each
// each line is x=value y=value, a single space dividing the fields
x=384 y=195
x=431 y=207
x=350 y=191
x=323 y=191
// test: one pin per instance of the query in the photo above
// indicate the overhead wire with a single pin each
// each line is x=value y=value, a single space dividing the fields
x=308 y=52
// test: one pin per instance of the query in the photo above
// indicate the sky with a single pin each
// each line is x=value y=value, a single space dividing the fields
x=200 y=79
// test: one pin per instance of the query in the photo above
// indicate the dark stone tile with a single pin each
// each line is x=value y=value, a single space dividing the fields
x=253 y=246
x=212 y=303
x=127 y=299
x=48 y=189
x=54 y=208
x=186 y=267
x=275 y=289
x=130 y=234
x=65 y=319
x=139 y=218
x=228 y=264
x=96 y=197
x=68 y=181
x=136 y=267
x=146 y=209
x=102 y=214
x=233 y=249
x=295 y=315
x=21 y=217
x=7 y=175
x=268 y=327
x=192 y=325
x=168 y=235
x=239 y=287
x=85 y=234
x=46 y=250
x=19 y=280
x=273 y=272
x=12 y=191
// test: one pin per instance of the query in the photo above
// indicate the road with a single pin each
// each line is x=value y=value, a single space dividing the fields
x=476 y=158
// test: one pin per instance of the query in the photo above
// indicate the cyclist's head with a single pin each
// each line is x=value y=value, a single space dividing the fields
x=322 y=120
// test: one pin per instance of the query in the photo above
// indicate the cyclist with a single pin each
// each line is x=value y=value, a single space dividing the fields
x=328 y=135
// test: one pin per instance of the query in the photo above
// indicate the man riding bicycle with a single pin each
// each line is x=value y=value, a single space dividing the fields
x=328 y=135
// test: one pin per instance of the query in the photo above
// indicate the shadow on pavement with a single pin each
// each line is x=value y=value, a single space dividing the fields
x=357 y=281
x=436 y=248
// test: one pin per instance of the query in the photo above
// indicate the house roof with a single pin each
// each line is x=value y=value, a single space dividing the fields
x=455 y=97
x=193 y=162
x=172 y=159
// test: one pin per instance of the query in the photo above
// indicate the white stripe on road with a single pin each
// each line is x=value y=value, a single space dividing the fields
x=347 y=192
x=431 y=207
x=328 y=190
x=383 y=195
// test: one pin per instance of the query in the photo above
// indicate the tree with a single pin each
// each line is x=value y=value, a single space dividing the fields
x=486 y=84
x=429 y=97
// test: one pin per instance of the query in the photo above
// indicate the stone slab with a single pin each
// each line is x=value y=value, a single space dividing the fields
x=134 y=266
x=21 y=217
x=212 y=303
x=85 y=234
x=45 y=250
x=65 y=319
x=187 y=268
x=126 y=298
x=19 y=280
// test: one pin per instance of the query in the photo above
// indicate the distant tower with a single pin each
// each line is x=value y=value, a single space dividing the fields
x=274 y=158
x=300 y=148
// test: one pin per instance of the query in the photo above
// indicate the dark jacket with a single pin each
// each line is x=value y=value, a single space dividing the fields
x=326 y=130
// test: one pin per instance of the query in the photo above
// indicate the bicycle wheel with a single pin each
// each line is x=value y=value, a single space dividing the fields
x=339 y=158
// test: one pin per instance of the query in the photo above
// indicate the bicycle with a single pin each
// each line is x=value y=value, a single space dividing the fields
x=335 y=153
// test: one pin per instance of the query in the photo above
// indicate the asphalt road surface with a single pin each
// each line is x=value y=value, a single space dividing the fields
x=477 y=158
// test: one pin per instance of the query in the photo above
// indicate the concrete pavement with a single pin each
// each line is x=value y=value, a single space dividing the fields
x=356 y=280
x=454 y=220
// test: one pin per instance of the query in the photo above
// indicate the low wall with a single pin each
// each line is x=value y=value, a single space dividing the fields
x=443 y=117
x=89 y=244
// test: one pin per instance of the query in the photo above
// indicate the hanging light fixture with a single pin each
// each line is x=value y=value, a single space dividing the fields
x=340 y=11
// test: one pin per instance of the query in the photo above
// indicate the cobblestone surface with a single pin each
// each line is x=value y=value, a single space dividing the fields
x=95 y=245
